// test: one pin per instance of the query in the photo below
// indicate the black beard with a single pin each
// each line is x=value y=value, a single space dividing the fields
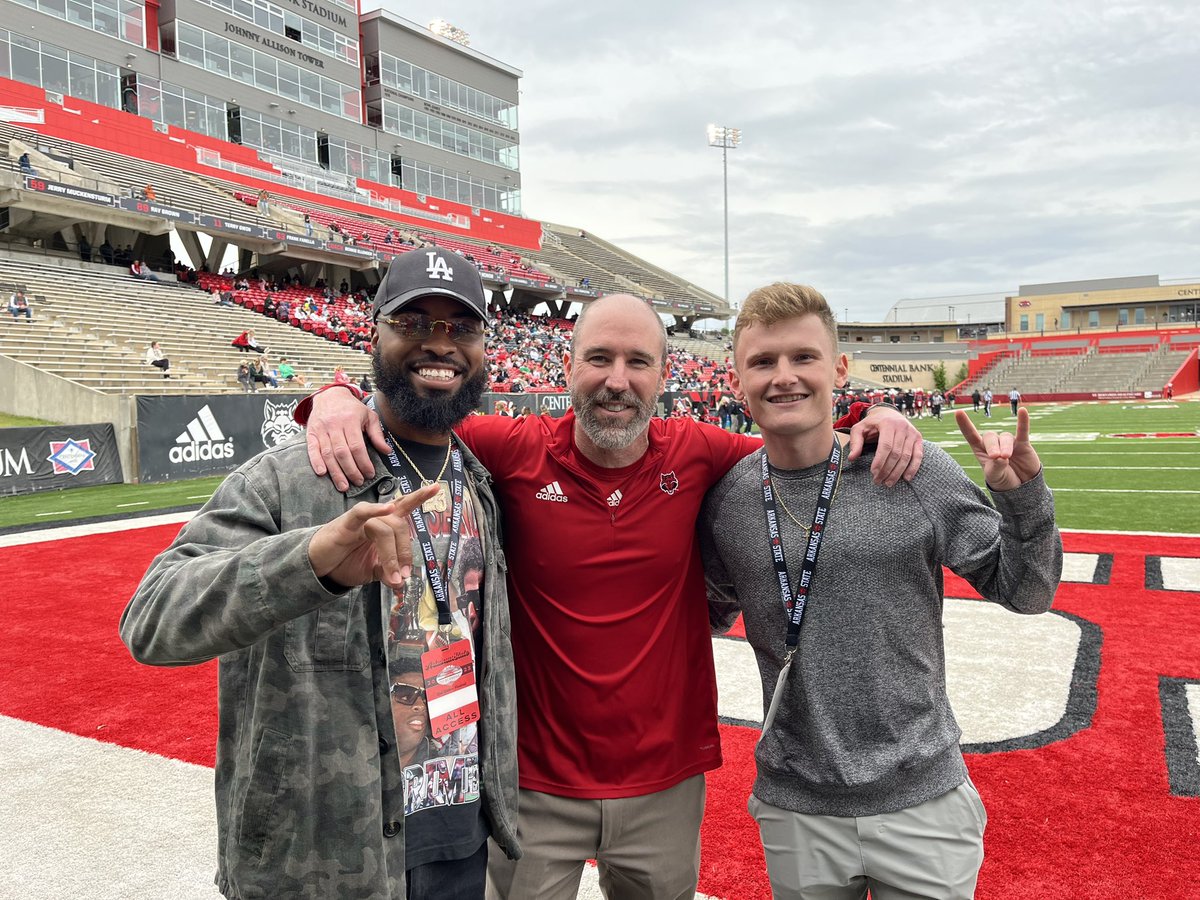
x=437 y=413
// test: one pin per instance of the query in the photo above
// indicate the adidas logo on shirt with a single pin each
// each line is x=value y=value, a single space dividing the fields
x=552 y=492
x=203 y=439
x=614 y=499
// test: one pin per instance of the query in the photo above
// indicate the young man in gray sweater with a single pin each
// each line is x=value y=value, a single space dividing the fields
x=860 y=779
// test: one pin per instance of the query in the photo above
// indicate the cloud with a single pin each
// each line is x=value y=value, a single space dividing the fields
x=890 y=150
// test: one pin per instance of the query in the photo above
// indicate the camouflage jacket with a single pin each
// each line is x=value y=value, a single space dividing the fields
x=309 y=788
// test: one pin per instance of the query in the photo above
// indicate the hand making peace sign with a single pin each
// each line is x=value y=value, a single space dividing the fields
x=369 y=542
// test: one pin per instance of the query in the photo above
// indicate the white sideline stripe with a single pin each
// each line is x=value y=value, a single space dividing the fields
x=84 y=816
x=89 y=819
x=19 y=538
x=1167 y=534
x=1180 y=574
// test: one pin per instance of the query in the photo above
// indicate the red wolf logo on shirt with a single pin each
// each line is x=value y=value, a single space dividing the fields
x=668 y=482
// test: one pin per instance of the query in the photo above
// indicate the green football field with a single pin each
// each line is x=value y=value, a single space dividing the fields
x=1100 y=482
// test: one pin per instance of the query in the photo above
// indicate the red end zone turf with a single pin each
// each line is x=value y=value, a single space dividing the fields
x=1089 y=816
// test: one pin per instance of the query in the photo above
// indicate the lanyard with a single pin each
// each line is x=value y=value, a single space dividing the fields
x=438 y=576
x=794 y=603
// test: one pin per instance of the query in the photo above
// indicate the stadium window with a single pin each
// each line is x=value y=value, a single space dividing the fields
x=108 y=85
x=1093 y=318
x=83 y=78
x=1039 y=322
x=105 y=16
x=1066 y=318
x=54 y=69
x=1024 y=322
x=242 y=63
x=1122 y=317
x=26 y=61
x=79 y=13
x=1139 y=315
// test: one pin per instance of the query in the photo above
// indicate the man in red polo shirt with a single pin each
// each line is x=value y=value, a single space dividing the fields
x=616 y=689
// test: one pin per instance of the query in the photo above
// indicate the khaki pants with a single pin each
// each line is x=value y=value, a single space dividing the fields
x=931 y=850
x=646 y=848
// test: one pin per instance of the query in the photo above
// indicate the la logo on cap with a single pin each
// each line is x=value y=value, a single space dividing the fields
x=438 y=268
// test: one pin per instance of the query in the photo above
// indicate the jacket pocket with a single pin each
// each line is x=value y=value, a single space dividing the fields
x=330 y=639
x=266 y=778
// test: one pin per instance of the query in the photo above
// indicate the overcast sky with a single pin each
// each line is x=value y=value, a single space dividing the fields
x=890 y=148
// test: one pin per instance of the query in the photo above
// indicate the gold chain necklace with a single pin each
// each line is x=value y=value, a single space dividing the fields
x=439 y=502
x=795 y=521
x=788 y=512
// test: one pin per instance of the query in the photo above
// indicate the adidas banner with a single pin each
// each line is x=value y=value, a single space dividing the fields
x=190 y=436
x=61 y=456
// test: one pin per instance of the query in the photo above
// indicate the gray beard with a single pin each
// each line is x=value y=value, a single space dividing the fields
x=611 y=437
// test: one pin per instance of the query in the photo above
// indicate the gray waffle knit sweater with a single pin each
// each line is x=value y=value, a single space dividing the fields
x=864 y=724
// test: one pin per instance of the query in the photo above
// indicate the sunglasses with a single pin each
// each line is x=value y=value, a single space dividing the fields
x=408 y=694
x=418 y=327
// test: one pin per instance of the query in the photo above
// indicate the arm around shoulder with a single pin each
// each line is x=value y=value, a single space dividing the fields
x=723 y=605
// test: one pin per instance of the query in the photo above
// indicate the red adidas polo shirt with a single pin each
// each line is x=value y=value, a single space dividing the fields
x=615 y=683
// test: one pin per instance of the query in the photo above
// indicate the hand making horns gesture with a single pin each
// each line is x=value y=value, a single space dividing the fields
x=1008 y=461
x=369 y=542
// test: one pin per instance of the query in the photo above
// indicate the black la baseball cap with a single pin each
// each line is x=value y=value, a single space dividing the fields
x=425 y=272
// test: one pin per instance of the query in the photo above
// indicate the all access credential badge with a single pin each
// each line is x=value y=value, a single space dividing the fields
x=450 y=687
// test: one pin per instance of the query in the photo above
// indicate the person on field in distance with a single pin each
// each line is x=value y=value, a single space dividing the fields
x=861 y=783
x=610 y=623
x=367 y=744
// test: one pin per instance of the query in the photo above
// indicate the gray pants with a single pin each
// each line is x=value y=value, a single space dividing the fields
x=646 y=848
x=932 y=850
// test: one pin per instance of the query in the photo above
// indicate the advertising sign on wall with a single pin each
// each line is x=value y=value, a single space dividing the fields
x=56 y=457
x=191 y=436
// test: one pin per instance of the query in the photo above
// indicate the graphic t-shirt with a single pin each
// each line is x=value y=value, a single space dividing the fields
x=443 y=815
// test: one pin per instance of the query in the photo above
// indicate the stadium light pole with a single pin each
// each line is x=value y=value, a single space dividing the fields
x=727 y=139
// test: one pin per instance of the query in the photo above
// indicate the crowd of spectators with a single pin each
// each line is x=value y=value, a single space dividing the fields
x=525 y=352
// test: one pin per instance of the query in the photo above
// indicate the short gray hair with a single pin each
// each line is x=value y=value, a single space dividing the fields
x=662 y=329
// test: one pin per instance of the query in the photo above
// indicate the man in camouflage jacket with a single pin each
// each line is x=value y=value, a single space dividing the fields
x=288 y=582
x=309 y=800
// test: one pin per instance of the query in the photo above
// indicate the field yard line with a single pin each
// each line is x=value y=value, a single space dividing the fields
x=1058 y=468
x=1123 y=453
x=1119 y=491
x=18 y=538
x=1168 y=534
